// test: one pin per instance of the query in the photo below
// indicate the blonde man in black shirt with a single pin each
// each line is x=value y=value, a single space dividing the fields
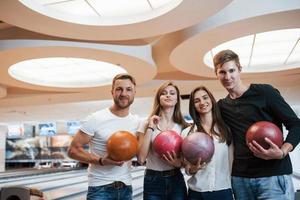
x=257 y=173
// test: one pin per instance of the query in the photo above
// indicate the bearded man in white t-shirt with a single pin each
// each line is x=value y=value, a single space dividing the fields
x=107 y=179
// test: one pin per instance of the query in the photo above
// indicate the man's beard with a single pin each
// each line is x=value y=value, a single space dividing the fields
x=123 y=106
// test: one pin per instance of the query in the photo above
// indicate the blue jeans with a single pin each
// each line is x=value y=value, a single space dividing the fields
x=158 y=186
x=110 y=192
x=265 y=188
x=214 y=195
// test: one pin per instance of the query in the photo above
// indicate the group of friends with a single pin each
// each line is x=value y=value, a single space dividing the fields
x=237 y=170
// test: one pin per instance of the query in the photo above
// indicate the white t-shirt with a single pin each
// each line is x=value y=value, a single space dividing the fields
x=217 y=173
x=154 y=161
x=101 y=125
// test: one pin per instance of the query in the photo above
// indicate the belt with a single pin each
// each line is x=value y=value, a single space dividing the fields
x=116 y=185
x=166 y=173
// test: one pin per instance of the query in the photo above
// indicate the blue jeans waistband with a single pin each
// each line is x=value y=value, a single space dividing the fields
x=167 y=173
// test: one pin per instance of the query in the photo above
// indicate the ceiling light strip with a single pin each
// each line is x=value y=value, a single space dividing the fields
x=252 y=48
x=92 y=8
x=212 y=56
x=294 y=47
x=150 y=4
x=58 y=2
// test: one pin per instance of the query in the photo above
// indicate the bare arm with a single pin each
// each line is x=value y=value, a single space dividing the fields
x=77 y=152
x=145 y=139
x=144 y=145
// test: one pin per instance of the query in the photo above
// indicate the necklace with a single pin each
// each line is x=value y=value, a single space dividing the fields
x=167 y=127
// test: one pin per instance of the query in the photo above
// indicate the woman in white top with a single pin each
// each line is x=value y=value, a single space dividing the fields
x=209 y=181
x=163 y=179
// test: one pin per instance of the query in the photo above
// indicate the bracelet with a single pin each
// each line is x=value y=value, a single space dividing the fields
x=101 y=161
x=149 y=127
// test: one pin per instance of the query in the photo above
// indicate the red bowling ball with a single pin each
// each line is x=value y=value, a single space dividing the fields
x=122 y=146
x=167 y=141
x=263 y=129
x=198 y=145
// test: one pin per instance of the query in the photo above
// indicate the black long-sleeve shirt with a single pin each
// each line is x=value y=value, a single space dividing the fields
x=261 y=102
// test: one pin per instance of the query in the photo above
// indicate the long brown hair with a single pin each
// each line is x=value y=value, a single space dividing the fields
x=177 y=115
x=224 y=133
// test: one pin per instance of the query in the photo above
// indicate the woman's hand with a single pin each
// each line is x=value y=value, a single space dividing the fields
x=153 y=121
x=173 y=159
x=191 y=169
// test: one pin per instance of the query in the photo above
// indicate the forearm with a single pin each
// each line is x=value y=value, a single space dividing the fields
x=144 y=147
x=286 y=148
x=78 y=153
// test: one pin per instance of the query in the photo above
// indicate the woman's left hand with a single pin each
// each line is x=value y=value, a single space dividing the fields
x=192 y=169
x=173 y=159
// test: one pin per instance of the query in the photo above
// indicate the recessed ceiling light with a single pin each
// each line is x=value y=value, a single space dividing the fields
x=102 y=12
x=264 y=52
x=65 y=72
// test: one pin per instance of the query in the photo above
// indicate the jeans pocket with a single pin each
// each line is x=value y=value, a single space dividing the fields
x=282 y=183
x=94 y=192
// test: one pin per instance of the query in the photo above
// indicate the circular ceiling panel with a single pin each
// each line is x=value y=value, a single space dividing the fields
x=65 y=72
x=263 y=52
x=71 y=66
x=102 y=12
x=185 y=14
x=265 y=42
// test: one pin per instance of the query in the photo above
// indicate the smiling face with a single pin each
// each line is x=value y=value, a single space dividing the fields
x=229 y=75
x=123 y=93
x=202 y=102
x=168 y=97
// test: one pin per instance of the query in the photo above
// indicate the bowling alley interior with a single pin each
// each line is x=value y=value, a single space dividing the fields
x=58 y=59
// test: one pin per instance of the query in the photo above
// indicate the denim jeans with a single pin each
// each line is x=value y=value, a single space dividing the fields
x=108 y=192
x=158 y=187
x=265 y=188
x=214 y=195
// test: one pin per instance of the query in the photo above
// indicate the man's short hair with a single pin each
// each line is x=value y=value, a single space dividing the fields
x=123 y=77
x=224 y=57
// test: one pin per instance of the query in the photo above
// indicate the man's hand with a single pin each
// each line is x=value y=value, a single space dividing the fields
x=106 y=160
x=274 y=152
